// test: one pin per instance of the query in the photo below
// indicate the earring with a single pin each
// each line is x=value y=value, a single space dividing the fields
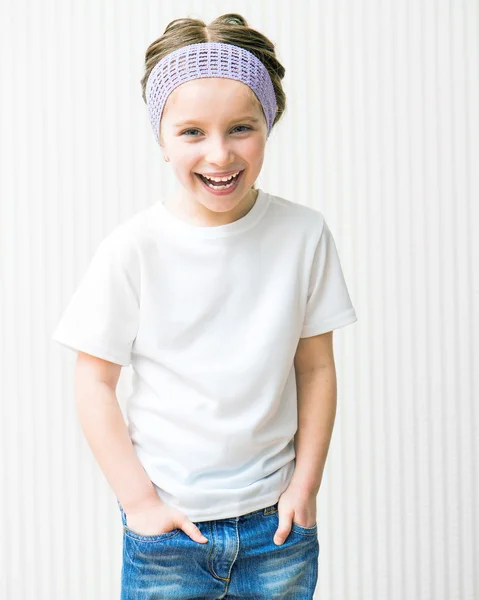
x=166 y=159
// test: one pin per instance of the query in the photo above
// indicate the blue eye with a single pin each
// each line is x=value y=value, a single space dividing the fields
x=187 y=130
x=245 y=126
x=184 y=132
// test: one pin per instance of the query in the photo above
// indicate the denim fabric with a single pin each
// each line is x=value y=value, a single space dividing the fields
x=240 y=560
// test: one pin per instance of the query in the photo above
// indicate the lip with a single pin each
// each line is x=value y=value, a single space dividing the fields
x=220 y=174
x=222 y=192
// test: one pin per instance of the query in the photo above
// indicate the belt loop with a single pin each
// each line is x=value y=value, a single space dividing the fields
x=271 y=509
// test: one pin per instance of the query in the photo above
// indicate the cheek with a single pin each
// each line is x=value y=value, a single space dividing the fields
x=253 y=149
x=184 y=156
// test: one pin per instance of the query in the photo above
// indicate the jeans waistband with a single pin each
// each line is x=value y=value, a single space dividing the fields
x=267 y=510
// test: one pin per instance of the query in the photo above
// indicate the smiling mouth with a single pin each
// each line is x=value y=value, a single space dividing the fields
x=220 y=184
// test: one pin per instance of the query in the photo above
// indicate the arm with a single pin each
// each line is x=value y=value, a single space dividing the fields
x=316 y=385
x=103 y=425
x=317 y=394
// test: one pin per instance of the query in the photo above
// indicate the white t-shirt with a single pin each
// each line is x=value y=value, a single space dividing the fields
x=209 y=319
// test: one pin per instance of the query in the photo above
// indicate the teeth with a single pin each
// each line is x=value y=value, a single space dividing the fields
x=222 y=178
x=220 y=187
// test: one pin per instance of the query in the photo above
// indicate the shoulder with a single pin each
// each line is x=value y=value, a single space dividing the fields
x=124 y=241
x=310 y=221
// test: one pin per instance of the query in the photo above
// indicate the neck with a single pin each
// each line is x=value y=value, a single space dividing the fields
x=196 y=213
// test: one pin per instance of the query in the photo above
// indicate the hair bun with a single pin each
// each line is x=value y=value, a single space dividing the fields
x=232 y=19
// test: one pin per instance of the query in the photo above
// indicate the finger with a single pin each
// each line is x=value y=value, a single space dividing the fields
x=192 y=530
x=284 y=527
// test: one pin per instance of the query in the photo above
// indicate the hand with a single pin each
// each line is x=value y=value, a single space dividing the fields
x=294 y=506
x=158 y=518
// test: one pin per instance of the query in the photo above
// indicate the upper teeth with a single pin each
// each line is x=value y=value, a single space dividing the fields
x=222 y=178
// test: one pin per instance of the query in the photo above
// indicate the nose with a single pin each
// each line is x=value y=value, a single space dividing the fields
x=219 y=152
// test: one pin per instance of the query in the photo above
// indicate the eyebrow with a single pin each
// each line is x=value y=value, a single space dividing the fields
x=193 y=122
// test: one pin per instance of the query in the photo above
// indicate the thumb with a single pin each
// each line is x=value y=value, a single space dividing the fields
x=284 y=527
x=193 y=531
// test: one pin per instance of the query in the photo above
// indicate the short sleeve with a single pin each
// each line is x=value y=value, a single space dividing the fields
x=103 y=314
x=329 y=305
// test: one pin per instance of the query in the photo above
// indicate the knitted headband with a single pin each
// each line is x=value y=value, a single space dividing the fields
x=208 y=59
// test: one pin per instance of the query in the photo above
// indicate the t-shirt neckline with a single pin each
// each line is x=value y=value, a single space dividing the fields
x=206 y=231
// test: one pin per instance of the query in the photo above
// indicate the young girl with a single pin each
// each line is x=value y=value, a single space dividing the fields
x=223 y=298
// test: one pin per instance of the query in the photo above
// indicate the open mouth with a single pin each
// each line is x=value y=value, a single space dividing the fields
x=220 y=186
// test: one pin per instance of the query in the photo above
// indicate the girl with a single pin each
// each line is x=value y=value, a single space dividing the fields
x=223 y=298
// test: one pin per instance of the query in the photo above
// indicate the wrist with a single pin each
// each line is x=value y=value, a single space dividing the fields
x=141 y=503
x=304 y=486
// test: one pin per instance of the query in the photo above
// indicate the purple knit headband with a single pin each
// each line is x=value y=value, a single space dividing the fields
x=208 y=59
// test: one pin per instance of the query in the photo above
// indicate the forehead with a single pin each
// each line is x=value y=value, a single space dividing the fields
x=211 y=97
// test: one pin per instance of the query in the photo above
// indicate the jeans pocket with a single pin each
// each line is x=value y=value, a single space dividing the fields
x=159 y=537
x=140 y=536
x=304 y=530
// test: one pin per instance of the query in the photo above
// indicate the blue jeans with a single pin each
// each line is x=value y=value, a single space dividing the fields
x=240 y=560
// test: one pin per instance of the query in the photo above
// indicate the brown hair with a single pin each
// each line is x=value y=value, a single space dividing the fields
x=230 y=28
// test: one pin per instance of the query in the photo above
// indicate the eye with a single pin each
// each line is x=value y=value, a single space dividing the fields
x=186 y=131
x=246 y=127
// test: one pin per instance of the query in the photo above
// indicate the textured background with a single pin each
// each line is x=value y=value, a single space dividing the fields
x=381 y=134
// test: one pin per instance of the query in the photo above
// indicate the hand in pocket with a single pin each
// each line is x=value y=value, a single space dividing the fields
x=160 y=518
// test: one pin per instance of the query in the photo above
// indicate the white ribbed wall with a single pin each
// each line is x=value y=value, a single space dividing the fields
x=382 y=134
